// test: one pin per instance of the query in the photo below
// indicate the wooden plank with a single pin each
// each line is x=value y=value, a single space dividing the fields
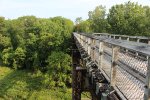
x=100 y=54
x=137 y=47
x=147 y=87
x=115 y=51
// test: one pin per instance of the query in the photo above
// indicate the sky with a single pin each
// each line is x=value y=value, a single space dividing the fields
x=11 y=9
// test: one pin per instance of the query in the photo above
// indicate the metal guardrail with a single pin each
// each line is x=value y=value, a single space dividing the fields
x=118 y=61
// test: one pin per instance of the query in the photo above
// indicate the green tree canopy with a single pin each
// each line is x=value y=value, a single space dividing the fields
x=59 y=68
x=97 y=18
x=129 y=18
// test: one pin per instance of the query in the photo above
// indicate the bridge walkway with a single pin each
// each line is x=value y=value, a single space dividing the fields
x=125 y=64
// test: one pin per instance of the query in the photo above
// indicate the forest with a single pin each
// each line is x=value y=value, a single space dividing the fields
x=38 y=45
x=125 y=19
x=35 y=53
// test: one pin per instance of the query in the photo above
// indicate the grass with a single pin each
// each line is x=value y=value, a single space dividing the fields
x=86 y=96
x=24 y=85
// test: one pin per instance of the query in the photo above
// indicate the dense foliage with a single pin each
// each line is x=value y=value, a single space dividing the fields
x=126 y=19
x=29 y=43
x=41 y=46
x=25 y=85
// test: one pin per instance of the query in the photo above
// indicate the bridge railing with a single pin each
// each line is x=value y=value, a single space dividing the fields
x=127 y=72
x=142 y=39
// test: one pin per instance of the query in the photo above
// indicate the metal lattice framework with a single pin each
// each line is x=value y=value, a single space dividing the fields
x=125 y=64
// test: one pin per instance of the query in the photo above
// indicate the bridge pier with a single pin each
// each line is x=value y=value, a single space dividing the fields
x=81 y=81
x=76 y=73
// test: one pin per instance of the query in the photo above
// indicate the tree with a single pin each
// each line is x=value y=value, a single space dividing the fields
x=65 y=24
x=19 y=58
x=29 y=43
x=128 y=19
x=97 y=19
x=31 y=46
x=30 y=24
x=16 y=33
x=59 y=68
x=2 y=25
x=66 y=27
x=83 y=26
x=7 y=56
x=147 y=21
x=77 y=23
x=4 y=42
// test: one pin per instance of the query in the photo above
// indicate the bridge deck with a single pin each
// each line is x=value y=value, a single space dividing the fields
x=126 y=69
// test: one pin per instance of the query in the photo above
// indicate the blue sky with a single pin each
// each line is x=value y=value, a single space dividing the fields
x=49 y=8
